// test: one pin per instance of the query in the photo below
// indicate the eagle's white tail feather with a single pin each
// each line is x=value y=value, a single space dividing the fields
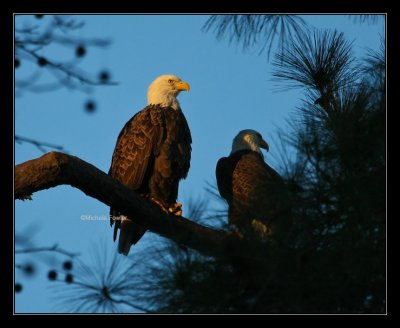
x=125 y=236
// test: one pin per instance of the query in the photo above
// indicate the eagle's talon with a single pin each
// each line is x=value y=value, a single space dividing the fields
x=176 y=209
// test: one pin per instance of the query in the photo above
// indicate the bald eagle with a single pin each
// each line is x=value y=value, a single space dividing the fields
x=152 y=155
x=254 y=191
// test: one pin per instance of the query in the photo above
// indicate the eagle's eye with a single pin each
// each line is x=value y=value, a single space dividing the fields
x=170 y=81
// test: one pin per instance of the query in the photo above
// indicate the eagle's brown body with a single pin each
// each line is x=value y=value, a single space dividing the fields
x=254 y=191
x=152 y=154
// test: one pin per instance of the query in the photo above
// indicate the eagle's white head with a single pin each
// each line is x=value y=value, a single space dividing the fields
x=164 y=90
x=249 y=140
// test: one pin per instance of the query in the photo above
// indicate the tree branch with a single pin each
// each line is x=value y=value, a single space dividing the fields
x=67 y=71
x=39 y=144
x=55 y=168
x=53 y=248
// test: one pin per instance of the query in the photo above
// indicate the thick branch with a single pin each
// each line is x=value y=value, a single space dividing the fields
x=55 y=168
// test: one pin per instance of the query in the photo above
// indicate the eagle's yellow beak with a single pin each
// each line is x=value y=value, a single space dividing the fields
x=182 y=86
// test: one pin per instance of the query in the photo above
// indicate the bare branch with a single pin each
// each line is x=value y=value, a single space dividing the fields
x=53 y=248
x=54 y=168
x=71 y=74
x=31 y=40
x=39 y=144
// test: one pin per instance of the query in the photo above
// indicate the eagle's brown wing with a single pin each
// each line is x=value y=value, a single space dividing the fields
x=223 y=172
x=137 y=146
x=255 y=192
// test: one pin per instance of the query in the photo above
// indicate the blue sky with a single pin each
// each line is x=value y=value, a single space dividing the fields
x=230 y=90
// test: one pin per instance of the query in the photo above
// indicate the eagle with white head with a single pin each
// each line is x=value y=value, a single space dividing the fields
x=254 y=191
x=152 y=155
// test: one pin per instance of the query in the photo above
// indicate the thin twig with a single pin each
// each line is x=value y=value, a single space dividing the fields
x=68 y=72
x=103 y=293
x=53 y=248
x=39 y=144
x=129 y=304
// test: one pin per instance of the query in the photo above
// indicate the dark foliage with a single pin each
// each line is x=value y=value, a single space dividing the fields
x=104 y=76
x=80 y=51
x=67 y=265
x=52 y=275
x=335 y=261
x=30 y=258
x=36 y=40
x=90 y=106
x=266 y=31
x=28 y=269
x=105 y=285
x=18 y=288
x=69 y=278
x=262 y=31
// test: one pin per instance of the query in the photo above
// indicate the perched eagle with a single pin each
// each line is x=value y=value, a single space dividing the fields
x=152 y=154
x=254 y=191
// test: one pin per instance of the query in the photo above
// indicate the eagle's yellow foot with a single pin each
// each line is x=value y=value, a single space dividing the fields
x=176 y=209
